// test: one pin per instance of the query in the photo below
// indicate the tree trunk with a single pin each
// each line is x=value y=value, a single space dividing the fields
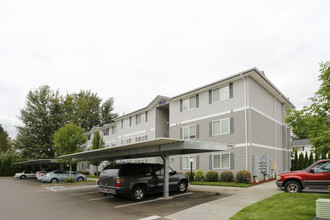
x=70 y=170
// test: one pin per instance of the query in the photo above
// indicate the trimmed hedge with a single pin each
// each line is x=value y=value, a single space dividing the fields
x=191 y=177
x=243 y=176
x=84 y=172
x=212 y=176
x=199 y=176
x=226 y=176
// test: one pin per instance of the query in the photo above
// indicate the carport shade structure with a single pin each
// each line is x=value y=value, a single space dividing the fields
x=163 y=147
x=39 y=162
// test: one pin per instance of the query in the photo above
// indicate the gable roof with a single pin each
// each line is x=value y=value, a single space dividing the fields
x=301 y=142
x=254 y=73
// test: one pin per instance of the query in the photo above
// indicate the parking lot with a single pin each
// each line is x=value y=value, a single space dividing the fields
x=30 y=199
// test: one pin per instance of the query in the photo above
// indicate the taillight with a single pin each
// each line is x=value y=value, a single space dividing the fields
x=41 y=174
x=118 y=183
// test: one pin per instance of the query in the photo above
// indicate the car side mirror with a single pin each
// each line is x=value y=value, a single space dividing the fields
x=312 y=170
x=172 y=173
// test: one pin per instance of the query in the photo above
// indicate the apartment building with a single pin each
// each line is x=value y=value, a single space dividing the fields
x=245 y=111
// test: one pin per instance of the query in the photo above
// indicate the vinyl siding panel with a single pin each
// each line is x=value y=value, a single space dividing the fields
x=262 y=129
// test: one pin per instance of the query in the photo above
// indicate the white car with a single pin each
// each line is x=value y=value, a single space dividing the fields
x=43 y=172
x=25 y=174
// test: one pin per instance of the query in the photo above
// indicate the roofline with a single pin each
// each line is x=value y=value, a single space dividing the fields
x=142 y=109
x=244 y=73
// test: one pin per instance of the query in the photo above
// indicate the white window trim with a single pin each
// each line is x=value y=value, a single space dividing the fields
x=188 y=98
x=139 y=115
x=220 y=93
x=127 y=126
x=194 y=163
x=189 y=132
x=220 y=120
x=220 y=162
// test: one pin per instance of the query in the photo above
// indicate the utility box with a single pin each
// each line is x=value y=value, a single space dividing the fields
x=322 y=209
x=255 y=165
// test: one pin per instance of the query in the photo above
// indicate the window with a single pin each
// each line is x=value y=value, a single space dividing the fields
x=106 y=132
x=221 y=93
x=189 y=103
x=221 y=126
x=141 y=138
x=141 y=118
x=186 y=162
x=113 y=130
x=126 y=123
x=221 y=161
x=189 y=132
x=126 y=141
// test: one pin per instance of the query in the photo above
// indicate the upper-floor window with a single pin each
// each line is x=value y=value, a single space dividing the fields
x=126 y=123
x=106 y=132
x=127 y=141
x=221 y=126
x=113 y=130
x=189 y=132
x=189 y=103
x=140 y=118
x=221 y=93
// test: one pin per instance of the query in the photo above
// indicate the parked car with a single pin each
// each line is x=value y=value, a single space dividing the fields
x=25 y=174
x=138 y=180
x=42 y=172
x=316 y=176
x=61 y=176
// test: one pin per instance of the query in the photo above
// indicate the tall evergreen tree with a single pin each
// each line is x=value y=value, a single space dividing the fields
x=97 y=143
x=306 y=160
x=301 y=161
x=5 y=143
x=311 y=159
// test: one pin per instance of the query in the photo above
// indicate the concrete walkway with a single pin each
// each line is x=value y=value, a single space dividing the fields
x=235 y=198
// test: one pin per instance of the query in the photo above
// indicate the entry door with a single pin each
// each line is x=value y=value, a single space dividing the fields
x=321 y=176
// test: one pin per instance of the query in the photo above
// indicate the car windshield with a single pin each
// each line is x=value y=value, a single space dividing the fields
x=310 y=166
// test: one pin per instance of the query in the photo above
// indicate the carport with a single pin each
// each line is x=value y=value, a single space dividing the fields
x=159 y=147
x=39 y=162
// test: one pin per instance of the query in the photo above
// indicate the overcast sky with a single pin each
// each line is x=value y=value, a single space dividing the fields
x=136 y=50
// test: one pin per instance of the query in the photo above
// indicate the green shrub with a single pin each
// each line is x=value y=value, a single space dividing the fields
x=212 y=176
x=226 y=176
x=199 y=176
x=69 y=180
x=97 y=173
x=191 y=177
x=83 y=172
x=243 y=176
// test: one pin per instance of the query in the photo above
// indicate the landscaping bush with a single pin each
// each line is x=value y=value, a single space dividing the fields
x=199 y=176
x=226 y=176
x=191 y=177
x=243 y=176
x=97 y=173
x=69 y=180
x=212 y=176
x=83 y=172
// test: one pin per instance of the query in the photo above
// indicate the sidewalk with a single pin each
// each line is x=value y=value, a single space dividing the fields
x=235 y=199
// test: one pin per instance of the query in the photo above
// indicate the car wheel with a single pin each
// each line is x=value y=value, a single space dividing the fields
x=293 y=187
x=54 y=180
x=80 y=179
x=182 y=186
x=23 y=177
x=138 y=193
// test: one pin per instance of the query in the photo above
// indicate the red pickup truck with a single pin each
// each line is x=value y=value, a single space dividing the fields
x=316 y=176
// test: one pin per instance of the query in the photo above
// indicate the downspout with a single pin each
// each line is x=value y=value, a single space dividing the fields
x=245 y=122
x=274 y=110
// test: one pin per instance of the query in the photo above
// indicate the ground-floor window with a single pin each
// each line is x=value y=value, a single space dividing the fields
x=186 y=162
x=221 y=161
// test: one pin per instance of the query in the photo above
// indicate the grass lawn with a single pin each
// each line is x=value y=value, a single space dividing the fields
x=90 y=176
x=283 y=206
x=222 y=184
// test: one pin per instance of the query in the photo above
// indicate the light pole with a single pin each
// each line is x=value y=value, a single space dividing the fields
x=191 y=160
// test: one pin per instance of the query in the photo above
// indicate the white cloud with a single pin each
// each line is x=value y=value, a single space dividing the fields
x=135 y=50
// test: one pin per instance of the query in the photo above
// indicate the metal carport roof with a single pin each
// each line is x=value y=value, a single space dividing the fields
x=39 y=162
x=163 y=147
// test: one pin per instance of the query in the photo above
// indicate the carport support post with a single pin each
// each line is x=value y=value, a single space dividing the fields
x=166 y=176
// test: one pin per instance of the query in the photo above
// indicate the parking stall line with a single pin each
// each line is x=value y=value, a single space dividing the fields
x=107 y=197
x=150 y=217
x=86 y=193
